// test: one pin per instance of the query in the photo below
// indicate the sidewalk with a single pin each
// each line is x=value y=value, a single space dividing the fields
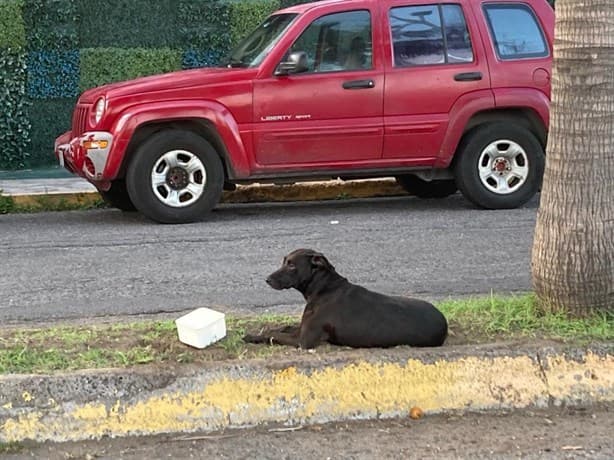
x=51 y=180
x=21 y=187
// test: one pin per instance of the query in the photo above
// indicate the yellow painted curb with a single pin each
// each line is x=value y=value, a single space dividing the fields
x=50 y=201
x=242 y=396
x=314 y=191
x=257 y=193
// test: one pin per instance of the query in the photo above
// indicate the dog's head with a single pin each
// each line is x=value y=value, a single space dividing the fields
x=298 y=270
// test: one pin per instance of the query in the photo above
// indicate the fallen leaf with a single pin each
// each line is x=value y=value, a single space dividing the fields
x=415 y=413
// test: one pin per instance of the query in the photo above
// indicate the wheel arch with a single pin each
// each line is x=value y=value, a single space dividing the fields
x=482 y=107
x=525 y=117
x=207 y=119
x=202 y=127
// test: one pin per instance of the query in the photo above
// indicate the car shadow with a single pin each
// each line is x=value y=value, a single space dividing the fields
x=230 y=212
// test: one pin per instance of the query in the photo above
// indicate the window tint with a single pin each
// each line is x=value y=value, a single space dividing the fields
x=458 y=43
x=515 y=32
x=337 y=42
x=429 y=34
x=256 y=46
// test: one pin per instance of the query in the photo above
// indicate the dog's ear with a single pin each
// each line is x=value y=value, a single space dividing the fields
x=319 y=261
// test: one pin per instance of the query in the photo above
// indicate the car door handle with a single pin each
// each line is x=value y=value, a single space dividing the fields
x=468 y=76
x=358 y=84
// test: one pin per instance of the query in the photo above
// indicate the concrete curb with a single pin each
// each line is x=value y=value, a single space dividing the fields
x=306 y=191
x=314 y=388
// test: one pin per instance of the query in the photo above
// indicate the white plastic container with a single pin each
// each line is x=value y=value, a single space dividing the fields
x=201 y=328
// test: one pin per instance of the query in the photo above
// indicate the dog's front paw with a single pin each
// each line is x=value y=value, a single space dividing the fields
x=252 y=338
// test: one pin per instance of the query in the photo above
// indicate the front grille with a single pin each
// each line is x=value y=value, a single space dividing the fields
x=79 y=120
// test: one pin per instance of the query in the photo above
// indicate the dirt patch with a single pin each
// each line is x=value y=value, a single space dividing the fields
x=557 y=433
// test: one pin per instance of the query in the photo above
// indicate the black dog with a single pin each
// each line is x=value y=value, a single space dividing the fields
x=343 y=313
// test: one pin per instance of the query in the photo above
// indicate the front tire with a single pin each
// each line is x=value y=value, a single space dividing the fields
x=117 y=196
x=175 y=177
x=499 y=166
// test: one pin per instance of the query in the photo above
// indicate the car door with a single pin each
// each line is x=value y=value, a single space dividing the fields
x=330 y=114
x=433 y=63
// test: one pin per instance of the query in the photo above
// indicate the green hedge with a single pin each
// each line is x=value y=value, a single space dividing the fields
x=53 y=74
x=287 y=3
x=12 y=27
x=245 y=16
x=106 y=65
x=129 y=23
x=51 y=25
x=50 y=118
x=205 y=25
x=14 y=121
x=72 y=45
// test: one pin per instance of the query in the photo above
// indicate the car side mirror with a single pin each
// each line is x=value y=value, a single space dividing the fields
x=295 y=62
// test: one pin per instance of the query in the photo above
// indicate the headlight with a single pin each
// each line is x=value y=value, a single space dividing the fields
x=98 y=110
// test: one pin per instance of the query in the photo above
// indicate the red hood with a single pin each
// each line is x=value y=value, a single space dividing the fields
x=173 y=80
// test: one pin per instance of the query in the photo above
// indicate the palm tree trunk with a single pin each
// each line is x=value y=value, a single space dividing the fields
x=573 y=249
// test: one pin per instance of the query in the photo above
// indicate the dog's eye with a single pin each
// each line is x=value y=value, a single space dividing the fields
x=290 y=265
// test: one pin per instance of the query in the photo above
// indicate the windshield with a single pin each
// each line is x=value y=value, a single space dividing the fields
x=254 y=48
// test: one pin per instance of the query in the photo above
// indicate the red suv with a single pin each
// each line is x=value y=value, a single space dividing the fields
x=442 y=96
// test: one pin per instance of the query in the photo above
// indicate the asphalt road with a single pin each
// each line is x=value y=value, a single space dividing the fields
x=86 y=264
x=553 y=434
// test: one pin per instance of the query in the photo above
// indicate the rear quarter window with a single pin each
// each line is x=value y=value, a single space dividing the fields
x=515 y=31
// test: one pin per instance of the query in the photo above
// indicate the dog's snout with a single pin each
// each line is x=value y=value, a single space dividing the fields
x=275 y=280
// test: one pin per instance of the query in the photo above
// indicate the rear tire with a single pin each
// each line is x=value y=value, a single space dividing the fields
x=427 y=189
x=499 y=166
x=175 y=177
x=117 y=196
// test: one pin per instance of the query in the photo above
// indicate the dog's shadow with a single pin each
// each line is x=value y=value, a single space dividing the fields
x=456 y=335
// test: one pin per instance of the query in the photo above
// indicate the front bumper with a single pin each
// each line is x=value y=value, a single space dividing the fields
x=85 y=155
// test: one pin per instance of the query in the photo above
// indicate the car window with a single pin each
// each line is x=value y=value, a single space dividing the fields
x=337 y=42
x=252 y=50
x=458 y=42
x=515 y=31
x=429 y=34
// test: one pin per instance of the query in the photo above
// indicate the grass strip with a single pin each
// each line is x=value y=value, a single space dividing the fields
x=474 y=320
x=521 y=316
